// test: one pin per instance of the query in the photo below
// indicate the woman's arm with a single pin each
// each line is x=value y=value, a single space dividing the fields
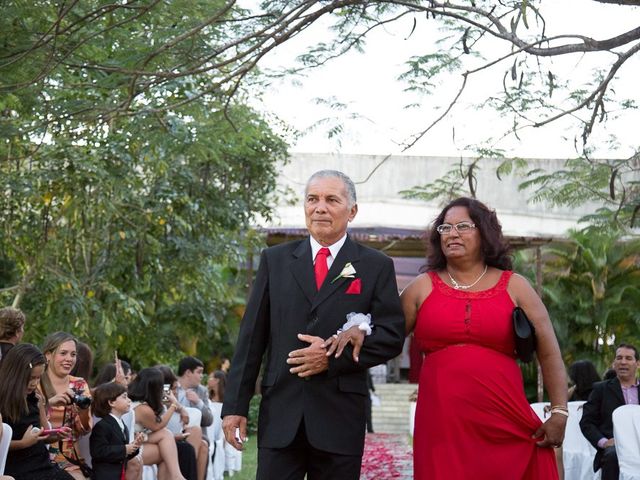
x=29 y=438
x=146 y=417
x=548 y=353
x=412 y=298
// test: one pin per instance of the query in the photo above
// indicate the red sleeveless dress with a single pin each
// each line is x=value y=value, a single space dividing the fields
x=473 y=421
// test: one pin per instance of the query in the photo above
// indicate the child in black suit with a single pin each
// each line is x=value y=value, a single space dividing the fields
x=109 y=442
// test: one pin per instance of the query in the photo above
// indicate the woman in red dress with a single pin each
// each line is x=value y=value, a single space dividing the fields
x=473 y=419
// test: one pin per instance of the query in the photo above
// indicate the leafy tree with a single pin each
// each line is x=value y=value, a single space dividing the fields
x=139 y=235
x=131 y=166
x=592 y=291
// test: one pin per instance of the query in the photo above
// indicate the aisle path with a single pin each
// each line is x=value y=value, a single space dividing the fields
x=387 y=456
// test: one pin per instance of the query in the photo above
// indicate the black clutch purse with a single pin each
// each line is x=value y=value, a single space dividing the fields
x=525 y=335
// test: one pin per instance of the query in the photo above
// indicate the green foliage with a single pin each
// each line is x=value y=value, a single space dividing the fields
x=130 y=175
x=252 y=419
x=615 y=184
x=592 y=292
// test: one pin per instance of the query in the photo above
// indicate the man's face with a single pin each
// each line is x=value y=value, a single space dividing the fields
x=326 y=210
x=193 y=377
x=625 y=364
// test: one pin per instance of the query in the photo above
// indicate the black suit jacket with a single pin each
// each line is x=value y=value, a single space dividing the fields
x=283 y=303
x=108 y=452
x=597 y=414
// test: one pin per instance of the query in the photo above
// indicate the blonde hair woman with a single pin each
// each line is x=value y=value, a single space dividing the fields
x=68 y=398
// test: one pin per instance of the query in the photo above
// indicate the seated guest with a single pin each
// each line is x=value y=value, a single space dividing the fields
x=152 y=417
x=23 y=409
x=191 y=393
x=110 y=447
x=84 y=362
x=12 y=323
x=188 y=439
x=120 y=375
x=583 y=375
x=69 y=400
x=216 y=384
x=597 y=423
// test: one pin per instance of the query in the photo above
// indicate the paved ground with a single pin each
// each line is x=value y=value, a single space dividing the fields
x=387 y=456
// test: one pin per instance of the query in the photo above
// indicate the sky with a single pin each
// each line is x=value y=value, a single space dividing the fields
x=376 y=122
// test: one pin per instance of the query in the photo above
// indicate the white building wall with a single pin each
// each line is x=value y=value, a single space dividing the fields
x=381 y=205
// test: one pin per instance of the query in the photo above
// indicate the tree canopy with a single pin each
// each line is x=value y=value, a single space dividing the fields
x=125 y=216
x=131 y=164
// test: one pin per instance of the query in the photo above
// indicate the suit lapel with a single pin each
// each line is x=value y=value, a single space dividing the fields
x=302 y=269
x=348 y=253
x=116 y=427
x=614 y=385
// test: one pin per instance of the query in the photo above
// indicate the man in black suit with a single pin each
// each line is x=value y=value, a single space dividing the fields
x=312 y=415
x=596 y=423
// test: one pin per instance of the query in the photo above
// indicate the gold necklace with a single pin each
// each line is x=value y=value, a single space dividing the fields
x=458 y=286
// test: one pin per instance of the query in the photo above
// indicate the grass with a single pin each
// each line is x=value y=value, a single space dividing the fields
x=249 y=460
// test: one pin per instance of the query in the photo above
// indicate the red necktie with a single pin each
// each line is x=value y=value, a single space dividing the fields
x=321 y=269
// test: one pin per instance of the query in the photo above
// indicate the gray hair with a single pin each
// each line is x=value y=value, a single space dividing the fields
x=348 y=183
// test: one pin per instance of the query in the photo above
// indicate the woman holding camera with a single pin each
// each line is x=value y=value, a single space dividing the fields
x=68 y=398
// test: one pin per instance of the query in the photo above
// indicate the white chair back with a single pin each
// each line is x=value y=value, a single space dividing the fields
x=129 y=419
x=577 y=452
x=195 y=416
x=539 y=409
x=150 y=472
x=7 y=432
x=626 y=432
x=215 y=470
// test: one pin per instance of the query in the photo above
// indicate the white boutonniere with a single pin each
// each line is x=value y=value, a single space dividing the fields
x=347 y=272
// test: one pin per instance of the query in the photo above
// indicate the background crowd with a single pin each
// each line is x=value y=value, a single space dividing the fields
x=68 y=423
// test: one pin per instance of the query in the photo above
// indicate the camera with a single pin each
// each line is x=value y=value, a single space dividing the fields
x=82 y=401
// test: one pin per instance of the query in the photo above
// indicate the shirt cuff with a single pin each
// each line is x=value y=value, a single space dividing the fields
x=602 y=441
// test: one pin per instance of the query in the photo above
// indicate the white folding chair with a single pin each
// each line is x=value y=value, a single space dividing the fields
x=577 y=452
x=129 y=419
x=7 y=432
x=150 y=472
x=195 y=416
x=626 y=432
x=215 y=470
x=539 y=409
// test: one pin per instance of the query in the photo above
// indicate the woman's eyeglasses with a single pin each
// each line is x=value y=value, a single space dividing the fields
x=461 y=228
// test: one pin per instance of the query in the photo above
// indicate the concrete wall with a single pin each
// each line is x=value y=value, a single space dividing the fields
x=380 y=203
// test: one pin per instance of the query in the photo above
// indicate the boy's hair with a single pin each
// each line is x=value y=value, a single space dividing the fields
x=189 y=363
x=103 y=394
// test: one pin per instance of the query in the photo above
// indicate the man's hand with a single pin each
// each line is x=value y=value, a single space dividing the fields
x=235 y=430
x=310 y=360
x=337 y=342
x=192 y=396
